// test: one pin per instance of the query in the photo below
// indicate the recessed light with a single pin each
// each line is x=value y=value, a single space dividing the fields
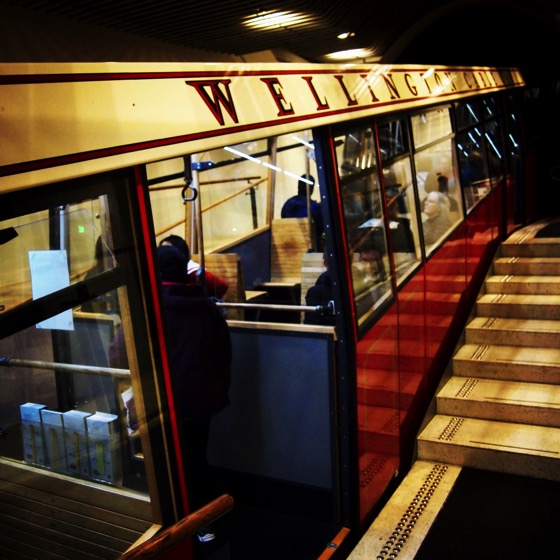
x=273 y=19
x=350 y=54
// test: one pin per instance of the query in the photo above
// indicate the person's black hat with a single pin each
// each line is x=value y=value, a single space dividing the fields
x=172 y=264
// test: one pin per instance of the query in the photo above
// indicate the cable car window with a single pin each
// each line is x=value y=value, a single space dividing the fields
x=364 y=220
x=393 y=139
x=69 y=407
x=240 y=187
x=495 y=151
x=490 y=107
x=467 y=114
x=403 y=217
x=430 y=126
x=402 y=212
x=473 y=166
x=439 y=193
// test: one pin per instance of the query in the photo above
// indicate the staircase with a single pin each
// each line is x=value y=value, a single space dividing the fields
x=500 y=408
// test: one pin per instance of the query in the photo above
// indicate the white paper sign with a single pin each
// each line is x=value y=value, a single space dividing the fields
x=49 y=273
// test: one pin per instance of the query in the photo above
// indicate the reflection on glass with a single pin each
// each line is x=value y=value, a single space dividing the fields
x=64 y=404
x=364 y=220
x=430 y=126
x=403 y=218
x=440 y=198
x=495 y=152
x=393 y=139
x=512 y=154
x=31 y=236
x=437 y=221
x=481 y=151
x=467 y=114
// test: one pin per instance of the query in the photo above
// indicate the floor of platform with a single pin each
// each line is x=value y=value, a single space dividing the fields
x=494 y=516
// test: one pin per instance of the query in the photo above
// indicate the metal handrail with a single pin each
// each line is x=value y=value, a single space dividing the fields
x=327 y=309
x=74 y=368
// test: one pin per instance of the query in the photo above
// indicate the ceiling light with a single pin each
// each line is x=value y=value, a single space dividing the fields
x=269 y=20
x=346 y=34
x=351 y=54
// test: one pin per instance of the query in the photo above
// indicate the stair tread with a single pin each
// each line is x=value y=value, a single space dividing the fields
x=429 y=480
x=509 y=437
x=512 y=324
x=523 y=278
x=509 y=354
x=523 y=299
x=526 y=259
x=502 y=392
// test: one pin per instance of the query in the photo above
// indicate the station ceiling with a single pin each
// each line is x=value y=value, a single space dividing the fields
x=523 y=33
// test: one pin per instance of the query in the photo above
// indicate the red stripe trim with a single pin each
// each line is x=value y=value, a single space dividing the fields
x=79 y=157
x=127 y=76
x=161 y=339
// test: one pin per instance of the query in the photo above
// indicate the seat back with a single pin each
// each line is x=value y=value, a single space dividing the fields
x=290 y=241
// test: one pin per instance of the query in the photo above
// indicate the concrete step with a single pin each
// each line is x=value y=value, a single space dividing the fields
x=527 y=266
x=506 y=401
x=508 y=363
x=537 y=248
x=516 y=284
x=520 y=306
x=402 y=525
x=513 y=332
x=507 y=447
x=524 y=242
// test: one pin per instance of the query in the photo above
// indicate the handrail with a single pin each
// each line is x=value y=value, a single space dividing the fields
x=183 y=529
x=233 y=195
x=327 y=309
x=7 y=361
x=217 y=202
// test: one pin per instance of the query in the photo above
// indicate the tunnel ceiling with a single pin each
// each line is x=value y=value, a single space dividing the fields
x=493 y=32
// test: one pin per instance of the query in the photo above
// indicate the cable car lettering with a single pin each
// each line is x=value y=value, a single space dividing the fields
x=321 y=105
x=449 y=81
x=466 y=76
x=410 y=84
x=274 y=86
x=390 y=83
x=366 y=80
x=491 y=79
x=351 y=100
x=482 y=78
x=215 y=98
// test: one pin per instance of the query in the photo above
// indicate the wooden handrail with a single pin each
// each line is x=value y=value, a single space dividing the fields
x=183 y=529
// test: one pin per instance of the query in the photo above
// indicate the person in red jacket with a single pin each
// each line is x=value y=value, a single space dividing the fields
x=215 y=286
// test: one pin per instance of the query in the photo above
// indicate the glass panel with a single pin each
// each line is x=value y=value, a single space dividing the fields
x=495 y=152
x=236 y=191
x=64 y=408
x=393 y=139
x=467 y=114
x=430 y=126
x=489 y=107
x=473 y=166
x=86 y=255
x=513 y=156
x=438 y=189
x=364 y=220
x=403 y=217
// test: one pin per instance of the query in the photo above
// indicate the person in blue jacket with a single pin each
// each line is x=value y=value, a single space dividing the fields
x=296 y=207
